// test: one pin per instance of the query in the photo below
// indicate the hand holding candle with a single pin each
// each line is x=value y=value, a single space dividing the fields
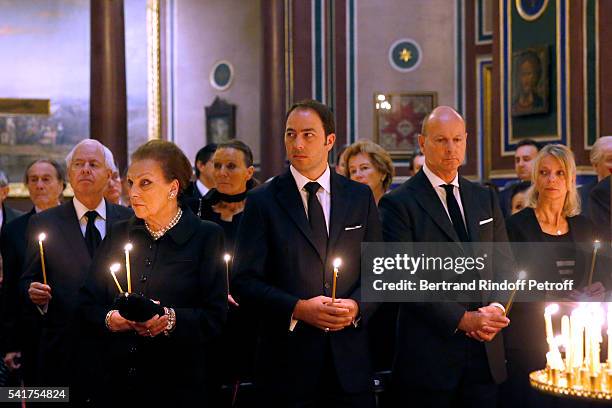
x=128 y=247
x=41 y=238
x=337 y=263
x=113 y=270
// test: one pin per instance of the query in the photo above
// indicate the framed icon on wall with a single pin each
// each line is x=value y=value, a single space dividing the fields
x=398 y=118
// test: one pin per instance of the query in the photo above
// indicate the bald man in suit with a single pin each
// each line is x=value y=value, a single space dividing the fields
x=449 y=353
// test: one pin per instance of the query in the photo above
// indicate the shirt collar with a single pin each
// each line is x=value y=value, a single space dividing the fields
x=202 y=188
x=81 y=209
x=437 y=181
x=301 y=180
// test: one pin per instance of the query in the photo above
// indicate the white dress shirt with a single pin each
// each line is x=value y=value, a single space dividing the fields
x=202 y=188
x=324 y=193
x=100 y=221
x=437 y=184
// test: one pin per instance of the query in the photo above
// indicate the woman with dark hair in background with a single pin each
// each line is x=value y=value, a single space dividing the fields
x=233 y=175
x=175 y=262
x=232 y=171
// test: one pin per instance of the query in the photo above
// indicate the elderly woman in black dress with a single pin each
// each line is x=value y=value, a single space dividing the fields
x=176 y=262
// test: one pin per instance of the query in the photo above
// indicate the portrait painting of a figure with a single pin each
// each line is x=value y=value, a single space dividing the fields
x=530 y=83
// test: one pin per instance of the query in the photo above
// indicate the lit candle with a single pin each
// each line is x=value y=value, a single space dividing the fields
x=548 y=312
x=128 y=247
x=113 y=270
x=227 y=258
x=596 y=246
x=337 y=263
x=522 y=275
x=566 y=337
x=577 y=327
x=41 y=238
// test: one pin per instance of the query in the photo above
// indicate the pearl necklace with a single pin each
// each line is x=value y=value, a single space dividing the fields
x=158 y=234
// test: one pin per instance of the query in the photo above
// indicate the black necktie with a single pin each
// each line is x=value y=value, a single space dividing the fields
x=455 y=213
x=316 y=217
x=92 y=235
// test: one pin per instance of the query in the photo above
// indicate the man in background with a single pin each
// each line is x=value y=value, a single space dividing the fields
x=526 y=151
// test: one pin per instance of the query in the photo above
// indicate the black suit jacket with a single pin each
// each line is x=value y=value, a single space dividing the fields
x=67 y=262
x=429 y=352
x=599 y=208
x=9 y=214
x=277 y=263
x=13 y=248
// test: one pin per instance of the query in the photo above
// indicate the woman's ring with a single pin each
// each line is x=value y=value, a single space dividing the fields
x=149 y=333
x=326 y=329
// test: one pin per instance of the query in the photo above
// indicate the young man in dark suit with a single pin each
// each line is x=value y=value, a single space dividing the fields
x=447 y=354
x=311 y=352
x=73 y=232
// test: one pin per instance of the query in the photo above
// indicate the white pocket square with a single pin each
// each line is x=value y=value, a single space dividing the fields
x=483 y=222
x=352 y=228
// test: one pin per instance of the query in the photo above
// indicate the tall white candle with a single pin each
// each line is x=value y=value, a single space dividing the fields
x=548 y=312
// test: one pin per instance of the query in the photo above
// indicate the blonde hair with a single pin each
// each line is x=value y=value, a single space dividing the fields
x=571 y=206
x=378 y=156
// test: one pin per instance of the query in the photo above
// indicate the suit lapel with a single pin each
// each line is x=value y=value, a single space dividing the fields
x=430 y=202
x=339 y=207
x=471 y=209
x=290 y=200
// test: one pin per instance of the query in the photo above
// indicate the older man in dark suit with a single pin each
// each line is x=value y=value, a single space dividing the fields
x=447 y=354
x=311 y=352
x=45 y=181
x=74 y=230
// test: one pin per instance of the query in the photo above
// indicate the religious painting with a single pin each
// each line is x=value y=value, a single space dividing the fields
x=220 y=121
x=45 y=56
x=398 y=118
x=531 y=10
x=530 y=81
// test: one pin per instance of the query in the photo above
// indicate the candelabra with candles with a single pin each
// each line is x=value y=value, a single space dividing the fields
x=579 y=372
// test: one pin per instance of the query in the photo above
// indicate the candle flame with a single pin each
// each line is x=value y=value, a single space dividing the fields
x=551 y=309
x=227 y=257
x=522 y=275
x=42 y=236
x=596 y=244
x=337 y=262
x=128 y=246
x=115 y=267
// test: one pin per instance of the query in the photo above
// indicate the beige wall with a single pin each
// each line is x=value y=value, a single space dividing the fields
x=207 y=31
x=380 y=23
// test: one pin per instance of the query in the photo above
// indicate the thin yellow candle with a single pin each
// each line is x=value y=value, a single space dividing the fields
x=41 y=237
x=609 y=332
x=548 y=312
x=113 y=270
x=522 y=275
x=227 y=258
x=596 y=246
x=128 y=247
x=337 y=263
